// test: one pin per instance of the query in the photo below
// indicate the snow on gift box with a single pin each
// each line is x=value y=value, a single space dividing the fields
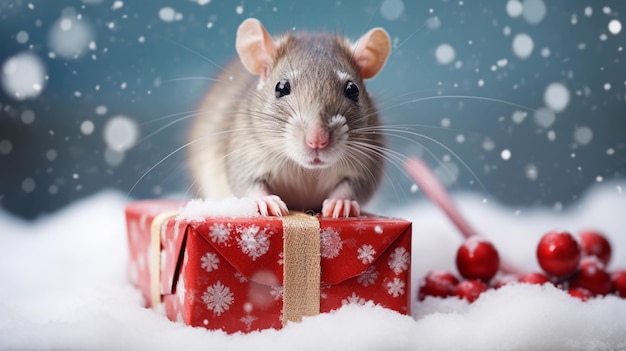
x=250 y=273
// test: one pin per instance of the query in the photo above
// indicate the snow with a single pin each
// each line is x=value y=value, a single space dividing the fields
x=505 y=154
x=197 y=209
x=583 y=135
x=523 y=45
x=445 y=54
x=615 y=26
x=544 y=117
x=168 y=14
x=514 y=8
x=120 y=133
x=22 y=36
x=27 y=116
x=23 y=76
x=70 y=36
x=391 y=10
x=65 y=286
x=87 y=127
x=556 y=96
x=534 y=11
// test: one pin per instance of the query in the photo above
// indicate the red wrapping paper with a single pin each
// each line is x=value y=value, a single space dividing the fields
x=227 y=273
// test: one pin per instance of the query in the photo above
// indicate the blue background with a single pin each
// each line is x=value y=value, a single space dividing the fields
x=584 y=56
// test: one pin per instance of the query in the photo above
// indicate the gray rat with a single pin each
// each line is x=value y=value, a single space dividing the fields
x=291 y=124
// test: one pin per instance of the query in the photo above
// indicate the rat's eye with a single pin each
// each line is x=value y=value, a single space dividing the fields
x=352 y=91
x=283 y=88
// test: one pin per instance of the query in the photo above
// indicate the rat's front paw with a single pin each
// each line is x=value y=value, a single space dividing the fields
x=336 y=208
x=271 y=205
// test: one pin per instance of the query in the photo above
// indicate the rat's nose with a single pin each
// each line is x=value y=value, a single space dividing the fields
x=317 y=138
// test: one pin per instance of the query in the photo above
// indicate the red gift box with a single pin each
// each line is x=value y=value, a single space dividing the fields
x=232 y=273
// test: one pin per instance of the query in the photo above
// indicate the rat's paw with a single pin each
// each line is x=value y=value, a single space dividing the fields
x=271 y=205
x=336 y=208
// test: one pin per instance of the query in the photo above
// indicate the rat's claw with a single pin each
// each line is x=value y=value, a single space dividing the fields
x=271 y=205
x=336 y=208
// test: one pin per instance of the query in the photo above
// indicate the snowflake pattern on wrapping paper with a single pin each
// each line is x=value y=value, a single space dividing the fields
x=399 y=260
x=323 y=293
x=219 y=233
x=368 y=277
x=395 y=288
x=331 y=243
x=277 y=292
x=242 y=278
x=253 y=241
x=360 y=227
x=248 y=320
x=281 y=258
x=210 y=262
x=366 y=254
x=218 y=298
x=353 y=299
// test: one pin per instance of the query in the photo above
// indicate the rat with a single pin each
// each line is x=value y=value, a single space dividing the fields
x=291 y=124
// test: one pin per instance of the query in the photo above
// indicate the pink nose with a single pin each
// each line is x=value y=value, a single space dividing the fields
x=318 y=139
x=317 y=143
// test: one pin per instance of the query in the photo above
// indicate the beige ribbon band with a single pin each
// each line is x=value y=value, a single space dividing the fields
x=155 y=255
x=301 y=291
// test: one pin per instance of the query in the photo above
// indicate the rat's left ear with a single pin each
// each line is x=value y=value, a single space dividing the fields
x=371 y=52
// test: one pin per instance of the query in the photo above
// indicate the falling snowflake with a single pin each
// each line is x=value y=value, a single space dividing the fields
x=210 y=262
x=331 y=243
x=218 y=298
x=366 y=254
x=277 y=292
x=399 y=260
x=219 y=233
x=396 y=287
x=353 y=299
x=368 y=277
x=248 y=320
x=253 y=241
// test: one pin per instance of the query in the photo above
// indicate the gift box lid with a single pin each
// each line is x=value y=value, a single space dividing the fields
x=349 y=246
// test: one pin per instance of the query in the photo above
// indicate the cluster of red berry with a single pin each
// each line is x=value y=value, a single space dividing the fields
x=578 y=266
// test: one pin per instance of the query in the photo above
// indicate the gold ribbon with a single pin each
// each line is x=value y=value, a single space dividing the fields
x=301 y=268
x=155 y=255
x=301 y=291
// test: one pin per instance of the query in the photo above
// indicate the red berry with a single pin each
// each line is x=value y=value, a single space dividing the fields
x=580 y=293
x=619 y=282
x=534 y=278
x=470 y=289
x=592 y=277
x=438 y=283
x=593 y=243
x=558 y=253
x=477 y=259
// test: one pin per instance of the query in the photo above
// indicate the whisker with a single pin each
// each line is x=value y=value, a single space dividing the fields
x=390 y=132
x=203 y=57
x=407 y=38
x=466 y=97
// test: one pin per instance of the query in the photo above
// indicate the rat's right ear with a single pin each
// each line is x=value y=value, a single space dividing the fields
x=371 y=51
x=255 y=47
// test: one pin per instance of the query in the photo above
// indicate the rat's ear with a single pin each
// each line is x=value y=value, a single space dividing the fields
x=371 y=52
x=255 y=46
